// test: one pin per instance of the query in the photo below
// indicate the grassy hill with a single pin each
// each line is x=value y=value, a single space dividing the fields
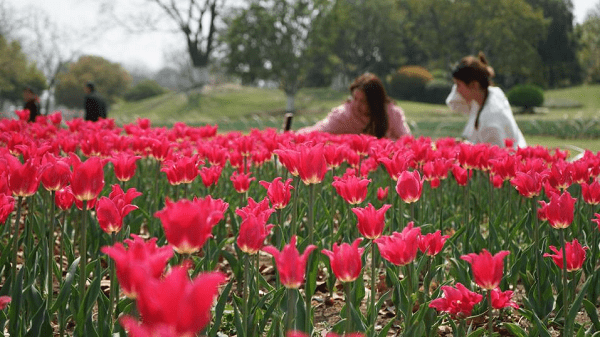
x=241 y=108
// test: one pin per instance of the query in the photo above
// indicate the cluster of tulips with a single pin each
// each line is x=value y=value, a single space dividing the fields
x=149 y=207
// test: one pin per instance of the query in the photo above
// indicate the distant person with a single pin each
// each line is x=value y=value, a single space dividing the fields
x=370 y=111
x=32 y=103
x=490 y=117
x=95 y=106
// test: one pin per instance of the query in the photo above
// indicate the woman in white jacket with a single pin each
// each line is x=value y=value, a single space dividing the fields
x=490 y=117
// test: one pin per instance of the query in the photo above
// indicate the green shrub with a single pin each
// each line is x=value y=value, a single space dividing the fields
x=144 y=89
x=527 y=96
x=437 y=91
x=409 y=83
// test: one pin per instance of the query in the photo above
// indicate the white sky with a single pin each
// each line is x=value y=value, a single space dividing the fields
x=143 y=50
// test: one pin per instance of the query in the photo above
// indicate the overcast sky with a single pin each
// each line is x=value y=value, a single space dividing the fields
x=142 y=50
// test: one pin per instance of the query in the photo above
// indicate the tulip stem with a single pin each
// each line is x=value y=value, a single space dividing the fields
x=51 y=250
x=408 y=314
x=311 y=214
x=490 y=314
x=291 y=309
x=16 y=242
x=348 y=307
x=246 y=314
x=536 y=239
x=294 y=208
x=113 y=284
x=373 y=311
x=564 y=281
x=83 y=262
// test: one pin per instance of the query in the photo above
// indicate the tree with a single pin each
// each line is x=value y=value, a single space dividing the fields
x=361 y=35
x=558 y=50
x=16 y=72
x=589 y=52
x=270 y=40
x=110 y=79
x=195 y=20
x=440 y=32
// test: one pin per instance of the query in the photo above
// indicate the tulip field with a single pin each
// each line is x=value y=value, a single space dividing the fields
x=137 y=230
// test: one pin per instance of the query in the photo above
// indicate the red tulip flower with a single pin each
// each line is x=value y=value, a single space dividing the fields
x=432 y=243
x=112 y=210
x=4 y=300
x=461 y=175
x=345 y=260
x=487 y=269
x=291 y=266
x=252 y=235
x=528 y=184
x=56 y=173
x=125 y=165
x=560 y=210
x=64 y=198
x=575 y=255
x=400 y=248
x=181 y=171
x=371 y=220
x=23 y=179
x=591 y=192
x=398 y=163
x=140 y=261
x=87 y=180
x=382 y=193
x=241 y=182
x=502 y=299
x=55 y=118
x=260 y=210
x=311 y=164
x=7 y=205
x=187 y=225
x=458 y=302
x=542 y=210
x=177 y=302
x=409 y=186
x=279 y=193
x=210 y=175
x=597 y=220
x=289 y=159
x=351 y=188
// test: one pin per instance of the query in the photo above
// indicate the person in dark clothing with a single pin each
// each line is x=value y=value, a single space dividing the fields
x=31 y=103
x=95 y=107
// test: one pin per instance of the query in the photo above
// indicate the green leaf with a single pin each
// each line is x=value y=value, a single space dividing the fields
x=40 y=321
x=592 y=313
x=516 y=330
x=385 y=329
x=219 y=309
x=65 y=290
x=278 y=294
x=576 y=305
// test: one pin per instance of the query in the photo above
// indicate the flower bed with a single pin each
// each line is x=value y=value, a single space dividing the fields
x=254 y=234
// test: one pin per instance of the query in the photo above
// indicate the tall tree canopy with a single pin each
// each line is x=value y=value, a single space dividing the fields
x=110 y=79
x=270 y=40
x=17 y=72
x=589 y=37
x=440 y=32
x=558 y=50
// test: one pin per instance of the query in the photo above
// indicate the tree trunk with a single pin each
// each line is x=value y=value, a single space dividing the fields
x=289 y=107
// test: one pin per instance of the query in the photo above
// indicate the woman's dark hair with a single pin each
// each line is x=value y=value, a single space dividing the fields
x=377 y=99
x=474 y=68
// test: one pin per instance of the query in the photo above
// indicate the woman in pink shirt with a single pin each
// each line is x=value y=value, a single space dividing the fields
x=370 y=111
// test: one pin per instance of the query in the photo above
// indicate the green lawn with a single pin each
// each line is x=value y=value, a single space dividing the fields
x=241 y=108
